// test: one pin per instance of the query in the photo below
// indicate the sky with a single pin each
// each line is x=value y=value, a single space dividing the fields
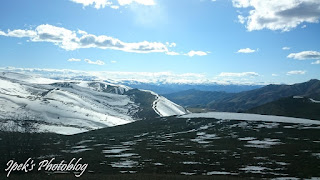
x=189 y=41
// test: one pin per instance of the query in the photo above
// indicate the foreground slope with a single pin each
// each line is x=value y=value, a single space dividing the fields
x=69 y=107
x=193 y=147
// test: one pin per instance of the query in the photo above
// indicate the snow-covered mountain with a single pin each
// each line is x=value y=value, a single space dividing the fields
x=69 y=107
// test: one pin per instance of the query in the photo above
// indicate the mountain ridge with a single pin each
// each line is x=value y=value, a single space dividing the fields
x=296 y=106
x=249 y=99
x=240 y=102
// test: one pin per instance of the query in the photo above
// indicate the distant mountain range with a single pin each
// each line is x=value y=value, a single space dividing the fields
x=197 y=98
x=168 y=88
x=255 y=101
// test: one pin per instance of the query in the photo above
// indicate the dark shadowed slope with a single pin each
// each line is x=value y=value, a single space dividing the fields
x=292 y=107
x=249 y=99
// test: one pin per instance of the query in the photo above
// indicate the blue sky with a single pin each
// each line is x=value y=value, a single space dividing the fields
x=237 y=41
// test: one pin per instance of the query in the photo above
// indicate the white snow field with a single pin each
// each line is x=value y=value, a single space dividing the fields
x=69 y=107
x=163 y=107
x=250 y=117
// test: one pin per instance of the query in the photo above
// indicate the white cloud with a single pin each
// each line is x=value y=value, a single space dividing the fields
x=281 y=15
x=21 y=33
x=305 y=55
x=274 y=74
x=172 y=53
x=299 y=72
x=69 y=40
x=82 y=32
x=246 y=50
x=304 y=26
x=61 y=37
x=74 y=60
x=72 y=40
x=115 y=7
x=108 y=3
x=142 y=2
x=98 y=62
x=196 y=53
x=107 y=42
x=230 y=74
x=241 y=19
x=113 y=61
x=316 y=62
x=286 y=48
x=2 y=33
x=97 y=3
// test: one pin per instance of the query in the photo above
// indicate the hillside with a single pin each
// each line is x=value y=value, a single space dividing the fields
x=246 y=100
x=69 y=107
x=291 y=107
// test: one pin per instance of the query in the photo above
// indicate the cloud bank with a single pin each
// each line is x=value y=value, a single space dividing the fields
x=71 y=40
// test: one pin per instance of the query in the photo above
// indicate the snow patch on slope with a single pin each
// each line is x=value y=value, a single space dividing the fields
x=103 y=86
x=164 y=107
x=314 y=101
x=27 y=78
